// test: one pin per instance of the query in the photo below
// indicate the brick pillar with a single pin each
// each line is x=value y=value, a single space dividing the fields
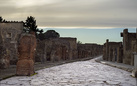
x=26 y=49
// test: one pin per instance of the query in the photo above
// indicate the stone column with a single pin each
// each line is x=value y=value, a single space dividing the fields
x=107 y=49
x=104 y=52
x=26 y=49
x=134 y=72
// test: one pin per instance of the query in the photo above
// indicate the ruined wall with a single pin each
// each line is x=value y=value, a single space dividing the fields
x=10 y=32
x=40 y=52
x=56 y=49
x=65 y=48
x=73 y=46
x=112 y=51
x=89 y=50
x=128 y=44
x=4 y=55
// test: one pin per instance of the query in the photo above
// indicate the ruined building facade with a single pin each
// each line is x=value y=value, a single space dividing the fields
x=65 y=48
x=56 y=49
x=53 y=49
x=112 y=51
x=129 y=46
x=89 y=50
x=9 y=35
x=121 y=52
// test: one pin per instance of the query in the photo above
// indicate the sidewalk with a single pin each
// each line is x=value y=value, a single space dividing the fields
x=125 y=67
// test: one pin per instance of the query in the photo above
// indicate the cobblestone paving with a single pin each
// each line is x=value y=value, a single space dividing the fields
x=82 y=73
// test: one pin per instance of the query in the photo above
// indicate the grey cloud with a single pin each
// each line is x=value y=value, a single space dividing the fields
x=81 y=13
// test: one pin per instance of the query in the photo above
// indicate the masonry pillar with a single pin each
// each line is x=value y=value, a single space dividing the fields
x=26 y=49
x=119 y=55
x=107 y=49
x=125 y=46
x=134 y=72
x=104 y=52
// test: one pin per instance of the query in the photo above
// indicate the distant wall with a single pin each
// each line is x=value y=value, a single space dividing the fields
x=89 y=50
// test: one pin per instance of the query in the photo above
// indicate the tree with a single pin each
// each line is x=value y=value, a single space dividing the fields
x=79 y=42
x=49 y=34
x=30 y=25
x=1 y=19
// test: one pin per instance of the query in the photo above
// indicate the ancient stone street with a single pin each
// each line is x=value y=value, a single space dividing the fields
x=81 y=73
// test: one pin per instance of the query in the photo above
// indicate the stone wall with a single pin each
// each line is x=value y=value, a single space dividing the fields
x=124 y=51
x=10 y=32
x=89 y=50
x=73 y=46
x=112 y=51
x=65 y=48
x=4 y=56
x=128 y=46
x=56 y=49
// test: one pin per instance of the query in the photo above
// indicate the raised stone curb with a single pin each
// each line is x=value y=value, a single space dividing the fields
x=122 y=66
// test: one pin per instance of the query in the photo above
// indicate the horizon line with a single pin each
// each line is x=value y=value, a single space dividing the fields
x=87 y=27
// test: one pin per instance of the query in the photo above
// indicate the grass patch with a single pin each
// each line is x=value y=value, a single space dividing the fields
x=33 y=74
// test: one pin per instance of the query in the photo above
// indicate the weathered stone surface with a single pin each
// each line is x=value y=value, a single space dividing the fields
x=119 y=54
x=89 y=50
x=27 y=47
x=4 y=57
x=65 y=48
x=112 y=51
x=129 y=46
x=10 y=32
x=57 y=49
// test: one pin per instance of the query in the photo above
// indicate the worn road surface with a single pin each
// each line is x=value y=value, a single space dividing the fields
x=81 y=73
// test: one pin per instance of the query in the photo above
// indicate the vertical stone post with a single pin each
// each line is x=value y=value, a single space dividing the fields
x=135 y=60
x=104 y=52
x=107 y=49
x=119 y=55
x=125 y=45
x=134 y=72
x=26 y=49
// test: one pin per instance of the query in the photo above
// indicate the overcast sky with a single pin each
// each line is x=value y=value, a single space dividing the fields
x=73 y=18
x=72 y=13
